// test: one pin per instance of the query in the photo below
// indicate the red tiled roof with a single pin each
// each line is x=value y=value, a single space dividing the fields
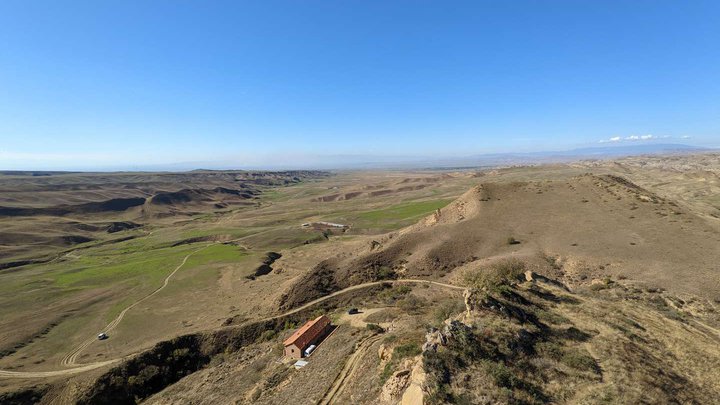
x=308 y=332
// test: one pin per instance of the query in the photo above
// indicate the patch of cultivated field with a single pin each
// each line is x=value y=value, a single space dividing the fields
x=399 y=215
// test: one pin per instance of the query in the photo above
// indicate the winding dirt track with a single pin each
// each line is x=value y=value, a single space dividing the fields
x=55 y=373
x=71 y=358
x=359 y=287
x=348 y=370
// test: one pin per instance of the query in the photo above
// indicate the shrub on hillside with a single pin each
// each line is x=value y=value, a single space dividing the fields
x=447 y=309
x=505 y=272
x=411 y=303
x=375 y=328
x=386 y=273
x=580 y=361
x=267 y=335
x=406 y=350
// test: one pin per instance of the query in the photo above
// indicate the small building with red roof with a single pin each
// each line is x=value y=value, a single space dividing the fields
x=309 y=334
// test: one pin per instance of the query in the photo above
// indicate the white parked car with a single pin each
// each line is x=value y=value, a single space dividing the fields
x=309 y=350
x=102 y=336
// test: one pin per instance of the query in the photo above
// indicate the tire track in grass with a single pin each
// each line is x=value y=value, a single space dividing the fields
x=71 y=358
x=348 y=370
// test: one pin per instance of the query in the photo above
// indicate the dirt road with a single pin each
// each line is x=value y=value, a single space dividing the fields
x=71 y=358
x=361 y=286
x=55 y=373
x=348 y=370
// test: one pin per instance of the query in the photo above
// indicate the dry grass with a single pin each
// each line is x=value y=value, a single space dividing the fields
x=644 y=346
x=503 y=273
x=601 y=349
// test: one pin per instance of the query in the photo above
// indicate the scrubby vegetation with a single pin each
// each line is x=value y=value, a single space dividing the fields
x=169 y=361
x=399 y=353
x=508 y=354
x=502 y=273
x=385 y=273
x=520 y=349
x=385 y=315
x=150 y=372
x=411 y=303
x=375 y=328
x=392 y=294
x=30 y=395
x=446 y=309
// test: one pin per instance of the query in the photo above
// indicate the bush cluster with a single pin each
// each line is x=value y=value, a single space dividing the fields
x=502 y=273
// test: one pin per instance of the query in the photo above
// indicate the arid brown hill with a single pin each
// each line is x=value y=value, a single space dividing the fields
x=589 y=225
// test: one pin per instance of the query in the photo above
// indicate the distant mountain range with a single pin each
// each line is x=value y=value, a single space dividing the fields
x=626 y=150
x=502 y=159
x=375 y=162
x=598 y=152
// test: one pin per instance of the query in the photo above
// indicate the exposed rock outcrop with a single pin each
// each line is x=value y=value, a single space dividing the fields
x=470 y=296
x=384 y=354
x=433 y=339
x=416 y=390
x=395 y=386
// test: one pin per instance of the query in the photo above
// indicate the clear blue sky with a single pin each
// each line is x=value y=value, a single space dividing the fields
x=126 y=83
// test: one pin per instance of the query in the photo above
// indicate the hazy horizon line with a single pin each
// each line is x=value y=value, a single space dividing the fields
x=345 y=161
